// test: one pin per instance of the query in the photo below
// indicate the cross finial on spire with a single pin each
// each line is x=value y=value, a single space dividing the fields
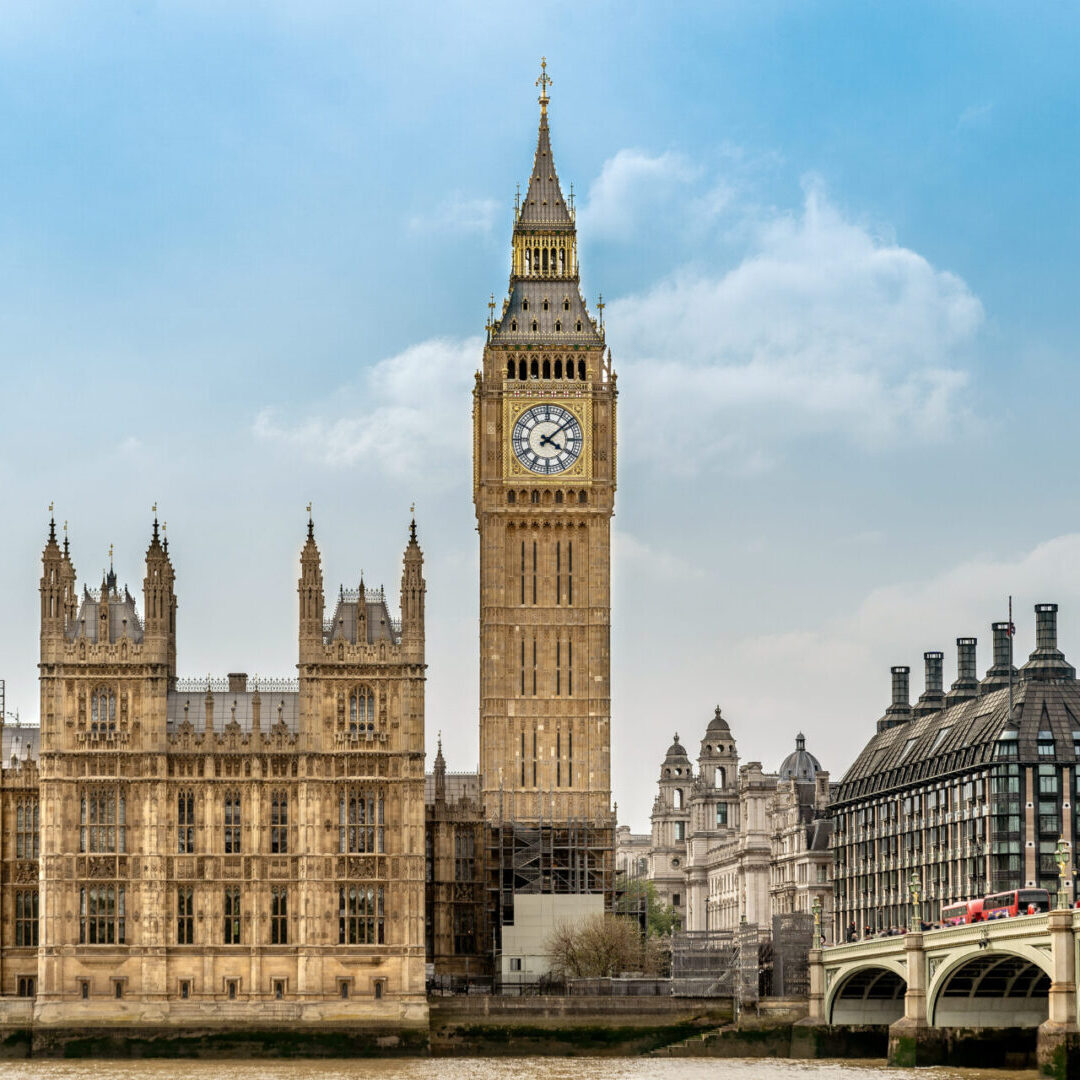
x=600 y=305
x=110 y=556
x=543 y=82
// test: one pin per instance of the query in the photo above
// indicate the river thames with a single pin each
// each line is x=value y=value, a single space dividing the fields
x=491 y=1069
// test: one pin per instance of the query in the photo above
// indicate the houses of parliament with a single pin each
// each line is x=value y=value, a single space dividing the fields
x=177 y=853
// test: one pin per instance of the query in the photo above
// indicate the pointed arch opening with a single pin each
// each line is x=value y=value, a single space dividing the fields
x=534 y=367
x=547 y=369
x=581 y=369
x=558 y=363
x=521 y=364
x=510 y=369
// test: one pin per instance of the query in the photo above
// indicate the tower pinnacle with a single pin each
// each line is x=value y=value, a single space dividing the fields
x=543 y=82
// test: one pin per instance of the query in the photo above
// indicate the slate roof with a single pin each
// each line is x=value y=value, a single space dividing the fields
x=19 y=741
x=380 y=626
x=544 y=204
x=121 y=607
x=181 y=706
x=556 y=291
x=800 y=764
x=458 y=786
x=965 y=735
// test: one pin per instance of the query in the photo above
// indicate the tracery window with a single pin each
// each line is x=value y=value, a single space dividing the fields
x=232 y=823
x=361 y=710
x=279 y=823
x=464 y=856
x=26 y=829
x=26 y=917
x=361 y=821
x=102 y=711
x=361 y=915
x=185 y=822
x=185 y=915
x=231 y=928
x=101 y=915
x=464 y=931
x=102 y=820
x=279 y=915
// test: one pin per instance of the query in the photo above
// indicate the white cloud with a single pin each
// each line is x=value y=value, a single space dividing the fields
x=457 y=214
x=821 y=328
x=630 y=185
x=403 y=418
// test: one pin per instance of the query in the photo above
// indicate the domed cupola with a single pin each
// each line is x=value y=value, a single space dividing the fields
x=676 y=761
x=717 y=762
x=800 y=764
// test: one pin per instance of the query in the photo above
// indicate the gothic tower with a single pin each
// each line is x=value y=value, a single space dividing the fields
x=543 y=489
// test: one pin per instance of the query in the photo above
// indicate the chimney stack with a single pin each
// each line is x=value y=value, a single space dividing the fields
x=1047 y=663
x=933 y=697
x=237 y=682
x=998 y=676
x=899 y=712
x=967 y=679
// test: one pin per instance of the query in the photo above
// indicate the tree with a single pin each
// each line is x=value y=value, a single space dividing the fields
x=640 y=898
x=602 y=945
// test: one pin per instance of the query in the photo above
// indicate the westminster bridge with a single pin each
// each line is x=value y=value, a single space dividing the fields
x=928 y=986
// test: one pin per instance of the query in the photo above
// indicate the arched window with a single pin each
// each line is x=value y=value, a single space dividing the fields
x=361 y=710
x=545 y=303
x=102 y=821
x=536 y=260
x=558 y=498
x=524 y=303
x=558 y=366
x=545 y=260
x=720 y=782
x=579 y=326
x=513 y=324
x=510 y=368
x=566 y=303
x=582 y=497
x=521 y=364
x=102 y=711
x=581 y=369
x=511 y=497
x=279 y=823
x=185 y=822
x=231 y=823
x=535 y=326
x=27 y=844
x=528 y=261
x=534 y=367
x=562 y=260
x=678 y=798
x=558 y=326
x=553 y=258
x=569 y=372
x=536 y=498
x=547 y=369
x=361 y=821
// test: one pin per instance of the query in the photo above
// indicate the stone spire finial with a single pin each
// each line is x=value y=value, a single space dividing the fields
x=543 y=82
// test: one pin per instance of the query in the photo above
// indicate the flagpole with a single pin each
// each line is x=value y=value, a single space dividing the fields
x=1011 y=632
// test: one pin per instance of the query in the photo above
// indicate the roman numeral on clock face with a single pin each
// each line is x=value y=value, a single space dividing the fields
x=547 y=439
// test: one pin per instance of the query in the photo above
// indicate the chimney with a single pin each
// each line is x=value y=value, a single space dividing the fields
x=899 y=712
x=933 y=697
x=998 y=676
x=967 y=679
x=237 y=682
x=1047 y=663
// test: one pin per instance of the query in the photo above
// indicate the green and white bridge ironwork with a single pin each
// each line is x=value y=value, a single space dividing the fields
x=1018 y=972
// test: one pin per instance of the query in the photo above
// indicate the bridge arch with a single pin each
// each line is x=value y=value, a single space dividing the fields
x=871 y=993
x=991 y=987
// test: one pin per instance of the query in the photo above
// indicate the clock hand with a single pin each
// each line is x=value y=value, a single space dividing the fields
x=546 y=440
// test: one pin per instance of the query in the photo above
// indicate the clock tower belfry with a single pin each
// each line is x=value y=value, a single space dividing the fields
x=543 y=488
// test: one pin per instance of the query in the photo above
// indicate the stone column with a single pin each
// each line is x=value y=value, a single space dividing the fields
x=817 y=988
x=911 y=1040
x=1058 y=1041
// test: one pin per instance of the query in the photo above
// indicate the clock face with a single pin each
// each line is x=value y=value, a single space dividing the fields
x=547 y=439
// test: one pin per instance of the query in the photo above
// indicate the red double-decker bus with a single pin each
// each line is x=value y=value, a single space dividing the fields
x=962 y=914
x=1007 y=905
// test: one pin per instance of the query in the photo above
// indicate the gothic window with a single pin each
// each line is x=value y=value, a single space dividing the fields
x=360 y=915
x=524 y=303
x=361 y=710
x=558 y=326
x=547 y=369
x=545 y=260
x=558 y=363
x=581 y=369
x=511 y=497
x=578 y=326
x=534 y=367
x=558 y=498
x=101 y=915
x=535 y=326
x=231 y=825
x=545 y=303
x=513 y=324
x=464 y=856
x=536 y=498
x=102 y=821
x=566 y=303
x=361 y=821
x=102 y=711
x=185 y=915
x=582 y=497
x=26 y=829
x=510 y=370
x=521 y=363
x=185 y=822
x=279 y=915
x=279 y=823
x=528 y=261
x=464 y=931
x=536 y=260
x=26 y=918
x=231 y=927
x=562 y=260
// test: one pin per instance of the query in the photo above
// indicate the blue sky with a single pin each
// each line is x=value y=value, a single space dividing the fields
x=245 y=253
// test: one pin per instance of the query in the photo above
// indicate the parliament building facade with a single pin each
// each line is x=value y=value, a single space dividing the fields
x=178 y=852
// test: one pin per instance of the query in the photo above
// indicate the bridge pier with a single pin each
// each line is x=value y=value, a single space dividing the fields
x=1058 y=1048
x=911 y=1039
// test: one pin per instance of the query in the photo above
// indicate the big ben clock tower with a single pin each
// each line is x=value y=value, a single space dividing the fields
x=543 y=487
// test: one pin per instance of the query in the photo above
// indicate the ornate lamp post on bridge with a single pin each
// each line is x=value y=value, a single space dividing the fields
x=915 y=885
x=1063 y=857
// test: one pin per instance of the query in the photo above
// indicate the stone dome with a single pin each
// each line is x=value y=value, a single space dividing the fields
x=800 y=764
x=676 y=752
x=718 y=726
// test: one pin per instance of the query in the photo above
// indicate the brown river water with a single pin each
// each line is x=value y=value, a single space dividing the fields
x=489 y=1069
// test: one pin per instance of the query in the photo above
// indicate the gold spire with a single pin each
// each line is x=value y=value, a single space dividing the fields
x=110 y=556
x=543 y=82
